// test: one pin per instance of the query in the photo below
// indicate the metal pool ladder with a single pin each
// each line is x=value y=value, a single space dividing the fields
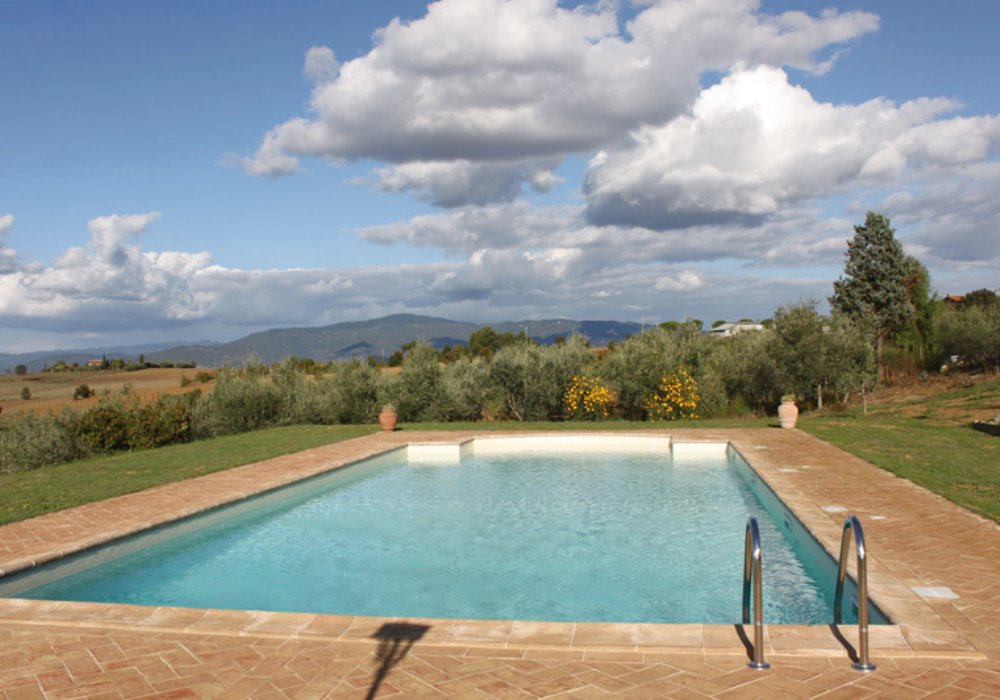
x=851 y=524
x=752 y=579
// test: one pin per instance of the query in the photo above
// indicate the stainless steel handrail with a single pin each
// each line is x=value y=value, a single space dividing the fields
x=852 y=525
x=752 y=575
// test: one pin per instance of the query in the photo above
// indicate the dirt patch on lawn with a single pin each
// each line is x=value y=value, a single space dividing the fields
x=930 y=399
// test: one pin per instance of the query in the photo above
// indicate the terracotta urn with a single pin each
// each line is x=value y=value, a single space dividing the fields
x=788 y=412
x=387 y=418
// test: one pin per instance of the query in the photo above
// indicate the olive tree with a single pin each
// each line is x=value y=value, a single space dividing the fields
x=531 y=380
x=746 y=370
x=638 y=364
x=351 y=393
x=420 y=395
x=972 y=333
x=798 y=345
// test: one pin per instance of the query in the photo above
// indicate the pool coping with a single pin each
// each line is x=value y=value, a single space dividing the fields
x=923 y=628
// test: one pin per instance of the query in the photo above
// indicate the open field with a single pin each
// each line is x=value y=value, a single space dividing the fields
x=51 y=391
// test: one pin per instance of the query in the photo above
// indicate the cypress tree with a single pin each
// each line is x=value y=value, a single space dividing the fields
x=872 y=289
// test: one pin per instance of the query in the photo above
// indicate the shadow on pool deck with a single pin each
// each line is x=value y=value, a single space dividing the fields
x=395 y=641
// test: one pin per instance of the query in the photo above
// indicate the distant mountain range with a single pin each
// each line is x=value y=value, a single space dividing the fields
x=379 y=337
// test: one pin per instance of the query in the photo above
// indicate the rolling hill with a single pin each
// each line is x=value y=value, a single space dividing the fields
x=379 y=337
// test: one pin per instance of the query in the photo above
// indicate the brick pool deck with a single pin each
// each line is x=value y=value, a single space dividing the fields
x=938 y=648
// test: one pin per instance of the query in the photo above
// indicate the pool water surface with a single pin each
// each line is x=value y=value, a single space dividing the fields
x=568 y=536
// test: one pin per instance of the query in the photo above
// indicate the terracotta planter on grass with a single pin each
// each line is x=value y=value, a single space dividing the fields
x=788 y=413
x=387 y=418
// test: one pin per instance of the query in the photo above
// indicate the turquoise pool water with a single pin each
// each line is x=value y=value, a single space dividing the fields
x=573 y=537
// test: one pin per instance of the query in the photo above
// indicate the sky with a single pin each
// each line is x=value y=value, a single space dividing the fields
x=192 y=170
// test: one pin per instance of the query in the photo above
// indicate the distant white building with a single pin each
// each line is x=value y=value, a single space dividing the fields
x=728 y=329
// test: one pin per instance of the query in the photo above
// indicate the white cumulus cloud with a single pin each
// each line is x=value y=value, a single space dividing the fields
x=112 y=284
x=510 y=81
x=321 y=65
x=683 y=281
x=8 y=256
x=462 y=182
x=755 y=144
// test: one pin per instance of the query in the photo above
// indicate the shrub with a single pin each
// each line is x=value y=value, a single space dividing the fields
x=26 y=393
x=972 y=333
x=465 y=389
x=83 y=391
x=799 y=344
x=639 y=363
x=297 y=393
x=745 y=372
x=587 y=398
x=165 y=421
x=420 y=396
x=676 y=397
x=105 y=427
x=351 y=394
x=530 y=380
x=850 y=358
x=28 y=441
x=239 y=402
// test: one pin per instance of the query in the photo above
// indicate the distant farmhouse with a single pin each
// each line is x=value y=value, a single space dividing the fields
x=725 y=330
x=978 y=297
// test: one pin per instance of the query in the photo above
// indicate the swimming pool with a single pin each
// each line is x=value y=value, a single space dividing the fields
x=477 y=531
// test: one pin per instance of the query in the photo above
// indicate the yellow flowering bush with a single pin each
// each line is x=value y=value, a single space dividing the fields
x=676 y=397
x=588 y=398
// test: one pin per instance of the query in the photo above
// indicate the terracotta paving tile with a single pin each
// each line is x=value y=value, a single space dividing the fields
x=661 y=689
x=560 y=684
x=886 y=688
x=671 y=636
x=280 y=623
x=608 y=668
x=951 y=694
x=224 y=620
x=476 y=631
x=606 y=634
x=847 y=692
x=987 y=687
x=933 y=679
x=603 y=681
x=535 y=633
x=24 y=693
x=553 y=654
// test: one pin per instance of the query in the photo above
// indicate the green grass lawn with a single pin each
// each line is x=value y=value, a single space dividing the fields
x=27 y=494
x=928 y=441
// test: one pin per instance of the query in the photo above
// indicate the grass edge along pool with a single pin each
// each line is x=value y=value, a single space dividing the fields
x=444 y=454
